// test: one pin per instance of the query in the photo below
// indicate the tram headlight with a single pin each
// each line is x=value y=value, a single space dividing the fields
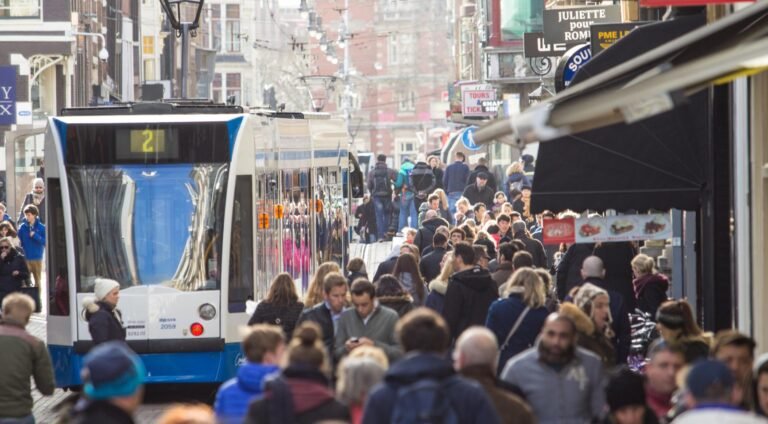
x=207 y=311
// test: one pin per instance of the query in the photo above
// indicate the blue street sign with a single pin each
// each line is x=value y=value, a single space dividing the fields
x=468 y=139
x=7 y=95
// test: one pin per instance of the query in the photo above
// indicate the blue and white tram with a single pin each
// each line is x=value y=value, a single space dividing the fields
x=193 y=209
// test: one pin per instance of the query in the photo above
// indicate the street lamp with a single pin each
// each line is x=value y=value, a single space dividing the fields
x=175 y=9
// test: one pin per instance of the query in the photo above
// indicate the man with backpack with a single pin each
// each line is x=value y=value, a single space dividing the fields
x=422 y=182
x=380 y=186
x=423 y=386
x=405 y=192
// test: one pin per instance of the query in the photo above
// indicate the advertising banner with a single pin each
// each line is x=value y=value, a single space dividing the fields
x=610 y=228
x=7 y=95
x=604 y=35
x=571 y=25
x=535 y=45
x=475 y=100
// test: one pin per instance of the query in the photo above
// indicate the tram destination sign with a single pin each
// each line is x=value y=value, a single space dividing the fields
x=571 y=25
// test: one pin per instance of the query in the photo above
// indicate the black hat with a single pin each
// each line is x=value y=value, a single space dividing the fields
x=625 y=388
x=482 y=175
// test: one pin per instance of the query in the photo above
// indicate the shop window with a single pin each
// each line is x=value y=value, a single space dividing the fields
x=232 y=29
x=19 y=9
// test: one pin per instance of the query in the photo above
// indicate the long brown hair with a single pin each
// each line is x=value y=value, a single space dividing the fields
x=315 y=291
x=282 y=291
x=407 y=263
x=306 y=348
x=678 y=315
x=9 y=226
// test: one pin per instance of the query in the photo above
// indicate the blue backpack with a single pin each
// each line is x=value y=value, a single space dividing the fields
x=425 y=401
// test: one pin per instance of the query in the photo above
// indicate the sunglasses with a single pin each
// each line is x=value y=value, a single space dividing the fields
x=5 y=247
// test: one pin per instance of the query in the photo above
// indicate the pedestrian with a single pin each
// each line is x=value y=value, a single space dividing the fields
x=552 y=304
x=355 y=270
x=464 y=212
x=300 y=393
x=676 y=325
x=424 y=383
x=649 y=285
x=504 y=270
x=366 y=324
x=562 y=382
x=422 y=181
x=532 y=246
x=113 y=378
x=404 y=188
x=13 y=268
x=455 y=180
x=516 y=319
x=432 y=221
x=663 y=363
x=4 y=217
x=387 y=266
x=7 y=230
x=357 y=377
x=711 y=397
x=390 y=293
x=32 y=237
x=617 y=259
x=470 y=292
x=24 y=357
x=737 y=352
x=484 y=239
x=761 y=385
x=366 y=221
x=437 y=169
x=444 y=206
x=568 y=271
x=407 y=272
x=516 y=179
x=626 y=399
x=479 y=210
x=480 y=191
x=475 y=358
x=429 y=266
x=521 y=259
x=592 y=271
x=105 y=321
x=595 y=303
x=380 y=180
x=263 y=346
x=315 y=292
x=189 y=414
x=498 y=201
x=36 y=197
x=281 y=307
x=482 y=167
x=327 y=313
x=439 y=285
x=457 y=235
x=504 y=222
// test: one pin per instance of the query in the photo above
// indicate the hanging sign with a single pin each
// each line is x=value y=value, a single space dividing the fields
x=7 y=95
x=571 y=25
x=571 y=62
x=473 y=97
x=534 y=45
x=605 y=229
x=556 y=231
x=604 y=35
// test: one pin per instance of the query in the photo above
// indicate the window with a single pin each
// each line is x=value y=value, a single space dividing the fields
x=19 y=9
x=241 y=251
x=233 y=87
x=232 y=30
x=392 y=49
x=216 y=27
x=57 y=254
x=149 y=69
x=406 y=101
x=148 y=45
x=216 y=91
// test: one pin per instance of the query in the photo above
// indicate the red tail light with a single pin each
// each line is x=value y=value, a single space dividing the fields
x=196 y=329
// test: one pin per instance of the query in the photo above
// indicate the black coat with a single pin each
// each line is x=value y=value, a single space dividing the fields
x=617 y=260
x=101 y=412
x=430 y=264
x=427 y=231
x=469 y=295
x=438 y=172
x=475 y=195
x=651 y=292
x=620 y=314
x=385 y=267
x=569 y=268
x=284 y=316
x=472 y=179
x=366 y=215
x=105 y=322
x=535 y=248
x=423 y=179
x=12 y=262
x=320 y=315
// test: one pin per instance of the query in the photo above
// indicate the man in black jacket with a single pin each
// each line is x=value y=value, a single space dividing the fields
x=471 y=291
x=380 y=180
x=432 y=221
x=423 y=182
x=430 y=263
x=532 y=246
x=327 y=313
x=482 y=166
x=480 y=192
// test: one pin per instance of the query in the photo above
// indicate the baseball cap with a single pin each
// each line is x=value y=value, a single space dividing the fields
x=111 y=370
x=707 y=374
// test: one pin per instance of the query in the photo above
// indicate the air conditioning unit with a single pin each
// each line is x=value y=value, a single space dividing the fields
x=468 y=10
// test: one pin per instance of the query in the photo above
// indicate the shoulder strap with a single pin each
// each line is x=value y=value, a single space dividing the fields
x=515 y=327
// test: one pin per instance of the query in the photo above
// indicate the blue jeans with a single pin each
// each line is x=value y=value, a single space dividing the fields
x=407 y=209
x=452 y=199
x=382 y=205
x=29 y=419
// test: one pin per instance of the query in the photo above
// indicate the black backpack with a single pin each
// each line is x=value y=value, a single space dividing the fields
x=425 y=401
x=382 y=186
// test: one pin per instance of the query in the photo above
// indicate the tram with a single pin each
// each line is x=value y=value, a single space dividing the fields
x=193 y=208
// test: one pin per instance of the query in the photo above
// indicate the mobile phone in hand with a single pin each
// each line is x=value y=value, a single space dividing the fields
x=354 y=340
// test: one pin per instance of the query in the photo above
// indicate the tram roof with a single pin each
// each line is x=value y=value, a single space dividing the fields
x=169 y=107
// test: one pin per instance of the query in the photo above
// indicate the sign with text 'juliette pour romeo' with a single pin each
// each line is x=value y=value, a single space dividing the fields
x=571 y=25
x=7 y=95
x=534 y=45
x=604 y=35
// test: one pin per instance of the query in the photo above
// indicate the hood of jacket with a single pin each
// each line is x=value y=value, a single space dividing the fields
x=250 y=377
x=395 y=300
x=583 y=323
x=438 y=286
x=416 y=366
x=477 y=279
x=433 y=223
x=407 y=166
x=641 y=283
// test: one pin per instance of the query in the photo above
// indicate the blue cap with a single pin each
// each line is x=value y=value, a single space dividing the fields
x=112 y=370
x=706 y=375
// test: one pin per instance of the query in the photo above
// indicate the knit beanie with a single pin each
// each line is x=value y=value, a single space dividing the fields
x=625 y=388
x=586 y=294
x=103 y=286
x=111 y=370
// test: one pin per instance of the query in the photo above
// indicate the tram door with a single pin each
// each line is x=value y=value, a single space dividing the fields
x=268 y=250
x=332 y=215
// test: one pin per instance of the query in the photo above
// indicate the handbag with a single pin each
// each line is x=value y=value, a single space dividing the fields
x=34 y=293
x=514 y=328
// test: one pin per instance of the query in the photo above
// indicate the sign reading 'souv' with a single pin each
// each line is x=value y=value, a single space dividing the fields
x=571 y=25
x=7 y=95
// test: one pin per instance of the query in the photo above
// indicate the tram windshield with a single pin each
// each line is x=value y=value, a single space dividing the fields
x=153 y=223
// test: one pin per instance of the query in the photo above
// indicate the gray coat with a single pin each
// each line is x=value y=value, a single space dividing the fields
x=575 y=395
x=380 y=328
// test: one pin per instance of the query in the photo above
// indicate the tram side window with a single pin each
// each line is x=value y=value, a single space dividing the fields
x=58 y=294
x=241 y=248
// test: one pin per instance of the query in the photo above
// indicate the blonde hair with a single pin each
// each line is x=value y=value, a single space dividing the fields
x=534 y=295
x=316 y=292
x=463 y=201
x=18 y=306
x=643 y=264
x=447 y=270
x=514 y=168
x=443 y=197
x=357 y=376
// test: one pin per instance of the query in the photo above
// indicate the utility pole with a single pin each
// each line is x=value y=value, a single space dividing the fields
x=346 y=98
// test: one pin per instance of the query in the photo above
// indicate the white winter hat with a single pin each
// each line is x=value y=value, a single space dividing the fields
x=103 y=286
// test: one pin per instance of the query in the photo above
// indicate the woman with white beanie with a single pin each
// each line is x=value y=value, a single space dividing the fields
x=105 y=322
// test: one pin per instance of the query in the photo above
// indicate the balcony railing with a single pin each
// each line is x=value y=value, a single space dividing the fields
x=20 y=9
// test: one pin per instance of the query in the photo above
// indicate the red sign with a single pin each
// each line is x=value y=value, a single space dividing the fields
x=558 y=231
x=664 y=3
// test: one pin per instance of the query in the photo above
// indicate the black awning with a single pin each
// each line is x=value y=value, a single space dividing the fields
x=656 y=163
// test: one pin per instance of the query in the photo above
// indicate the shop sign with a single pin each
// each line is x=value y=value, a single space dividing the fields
x=535 y=45
x=604 y=35
x=7 y=95
x=605 y=229
x=665 y=3
x=571 y=62
x=23 y=113
x=472 y=98
x=571 y=25
x=468 y=139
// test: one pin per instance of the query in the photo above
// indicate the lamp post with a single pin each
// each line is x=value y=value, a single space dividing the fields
x=175 y=11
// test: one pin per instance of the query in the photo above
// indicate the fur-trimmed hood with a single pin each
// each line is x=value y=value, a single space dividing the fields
x=583 y=323
x=438 y=286
x=92 y=306
x=404 y=298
